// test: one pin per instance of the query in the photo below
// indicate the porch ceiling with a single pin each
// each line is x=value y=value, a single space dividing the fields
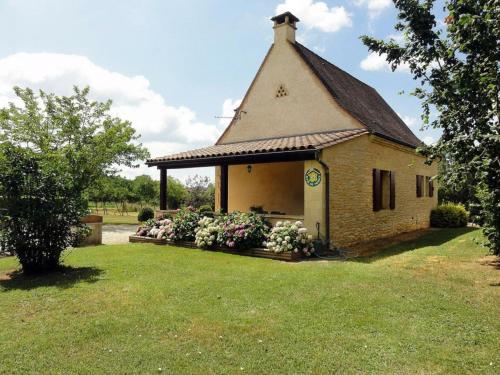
x=299 y=147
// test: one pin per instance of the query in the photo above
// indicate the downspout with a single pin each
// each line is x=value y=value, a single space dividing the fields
x=327 y=197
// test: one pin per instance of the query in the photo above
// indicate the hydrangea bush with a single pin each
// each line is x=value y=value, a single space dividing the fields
x=242 y=230
x=185 y=223
x=287 y=236
x=207 y=232
x=156 y=228
x=236 y=230
x=166 y=229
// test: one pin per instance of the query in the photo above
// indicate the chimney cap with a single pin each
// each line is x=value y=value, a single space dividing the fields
x=281 y=18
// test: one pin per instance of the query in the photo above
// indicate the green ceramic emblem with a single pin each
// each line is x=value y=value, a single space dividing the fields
x=313 y=177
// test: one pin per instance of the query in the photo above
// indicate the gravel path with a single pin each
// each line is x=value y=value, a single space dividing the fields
x=116 y=234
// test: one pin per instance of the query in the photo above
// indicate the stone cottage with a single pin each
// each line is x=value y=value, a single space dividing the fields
x=311 y=142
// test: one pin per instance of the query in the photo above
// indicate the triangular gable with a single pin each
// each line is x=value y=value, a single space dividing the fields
x=285 y=99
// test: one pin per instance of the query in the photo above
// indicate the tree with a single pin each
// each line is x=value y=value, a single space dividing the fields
x=176 y=193
x=52 y=149
x=456 y=66
x=146 y=189
x=200 y=192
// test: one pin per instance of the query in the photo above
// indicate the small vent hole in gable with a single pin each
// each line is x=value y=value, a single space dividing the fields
x=281 y=91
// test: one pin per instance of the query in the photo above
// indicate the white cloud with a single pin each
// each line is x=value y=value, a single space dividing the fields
x=228 y=108
x=317 y=15
x=375 y=7
x=164 y=128
x=376 y=62
x=429 y=140
x=412 y=122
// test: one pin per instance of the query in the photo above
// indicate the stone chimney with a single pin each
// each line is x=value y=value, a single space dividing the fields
x=284 y=27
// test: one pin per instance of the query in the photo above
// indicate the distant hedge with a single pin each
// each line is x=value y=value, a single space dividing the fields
x=145 y=214
x=449 y=215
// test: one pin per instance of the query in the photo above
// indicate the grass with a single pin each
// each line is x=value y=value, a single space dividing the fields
x=129 y=218
x=427 y=306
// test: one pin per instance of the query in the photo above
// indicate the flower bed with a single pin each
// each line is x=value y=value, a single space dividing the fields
x=239 y=233
x=288 y=236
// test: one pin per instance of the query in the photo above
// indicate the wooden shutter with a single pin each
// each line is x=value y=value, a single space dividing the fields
x=377 y=190
x=419 y=186
x=431 y=187
x=392 y=176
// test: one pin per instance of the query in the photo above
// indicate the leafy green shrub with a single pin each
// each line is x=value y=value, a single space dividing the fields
x=449 y=215
x=42 y=208
x=205 y=209
x=145 y=214
x=242 y=231
x=184 y=225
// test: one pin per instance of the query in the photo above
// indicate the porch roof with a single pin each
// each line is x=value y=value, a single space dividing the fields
x=298 y=147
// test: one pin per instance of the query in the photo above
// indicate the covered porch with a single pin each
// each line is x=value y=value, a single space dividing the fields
x=281 y=178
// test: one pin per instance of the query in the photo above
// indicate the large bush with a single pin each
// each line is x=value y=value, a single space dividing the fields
x=52 y=148
x=41 y=207
x=185 y=223
x=449 y=216
x=242 y=230
x=145 y=214
x=287 y=236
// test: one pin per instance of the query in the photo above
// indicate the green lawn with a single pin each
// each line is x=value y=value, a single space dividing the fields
x=427 y=306
x=130 y=218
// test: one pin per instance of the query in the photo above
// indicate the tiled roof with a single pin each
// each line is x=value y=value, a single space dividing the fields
x=314 y=141
x=360 y=100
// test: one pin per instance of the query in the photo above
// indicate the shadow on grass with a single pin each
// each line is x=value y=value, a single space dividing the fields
x=63 y=278
x=431 y=238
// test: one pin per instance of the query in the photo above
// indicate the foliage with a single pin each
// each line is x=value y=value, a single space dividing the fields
x=456 y=65
x=80 y=234
x=449 y=216
x=206 y=210
x=200 y=192
x=185 y=223
x=206 y=233
x=176 y=193
x=287 y=236
x=41 y=204
x=150 y=222
x=145 y=214
x=242 y=230
x=52 y=149
x=142 y=189
x=146 y=189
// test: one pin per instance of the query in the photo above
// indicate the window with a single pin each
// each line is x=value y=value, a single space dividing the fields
x=384 y=190
x=425 y=186
x=420 y=186
x=430 y=187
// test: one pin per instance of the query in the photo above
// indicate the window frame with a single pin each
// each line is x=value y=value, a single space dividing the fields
x=378 y=189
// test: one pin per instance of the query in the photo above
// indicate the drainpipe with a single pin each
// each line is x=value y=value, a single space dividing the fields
x=327 y=196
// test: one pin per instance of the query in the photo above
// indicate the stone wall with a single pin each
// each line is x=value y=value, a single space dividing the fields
x=352 y=219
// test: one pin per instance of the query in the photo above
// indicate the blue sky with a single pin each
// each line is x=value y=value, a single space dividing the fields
x=171 y=65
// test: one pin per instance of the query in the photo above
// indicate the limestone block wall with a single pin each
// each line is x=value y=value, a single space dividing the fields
x=352 y=218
